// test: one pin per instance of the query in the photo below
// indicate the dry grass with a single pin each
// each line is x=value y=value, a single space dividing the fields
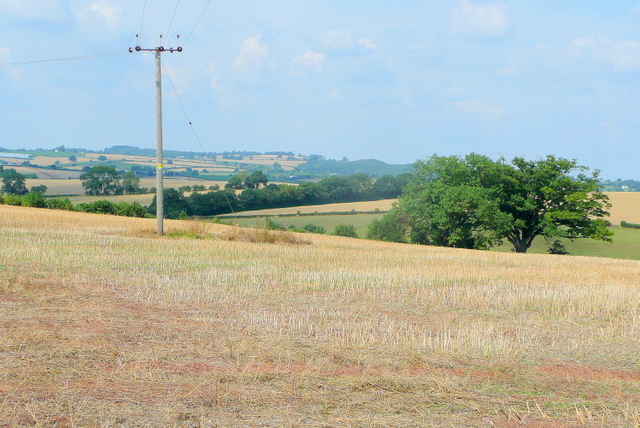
x=263 y=236
x=104 y=324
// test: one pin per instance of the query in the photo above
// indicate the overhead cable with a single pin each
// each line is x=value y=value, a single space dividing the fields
x=172 y=18
x=75 y=58
x=197 y=22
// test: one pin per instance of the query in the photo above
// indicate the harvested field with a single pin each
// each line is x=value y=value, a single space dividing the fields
x=48 y=174
x=625 y=207
x=382 y=205
x=104 y=324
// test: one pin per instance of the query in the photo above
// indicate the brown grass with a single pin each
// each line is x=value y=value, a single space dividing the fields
x=263 y=236
x=102 y=323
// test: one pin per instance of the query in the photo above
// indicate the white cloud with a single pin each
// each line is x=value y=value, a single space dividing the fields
x=252 y=52
x=368 y=44
x=309 y=60
x=621 y=54
x=101 y=13
x=489 y=20
x=342 y=42
x=476 y=107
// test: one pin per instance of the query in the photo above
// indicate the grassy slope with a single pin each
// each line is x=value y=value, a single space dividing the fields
x=329 y=222
x=626 y=242
x=625 y=245
x=626 y=206
x=104 y=324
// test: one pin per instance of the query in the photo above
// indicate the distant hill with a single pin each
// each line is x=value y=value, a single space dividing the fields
x=371 y=167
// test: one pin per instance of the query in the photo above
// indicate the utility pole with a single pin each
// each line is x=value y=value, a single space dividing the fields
x=159 y=158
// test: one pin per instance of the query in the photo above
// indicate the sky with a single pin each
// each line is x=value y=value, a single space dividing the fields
x=396 y=81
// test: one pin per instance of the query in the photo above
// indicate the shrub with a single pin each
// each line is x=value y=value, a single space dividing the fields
x=347 y=230
x=629 y=225
x=312 y=228
x=34 y=199
x=389 y=228
x=101 y=206
x=13 y=200
x=133 y=209
x=59 y=204
x=270 y=224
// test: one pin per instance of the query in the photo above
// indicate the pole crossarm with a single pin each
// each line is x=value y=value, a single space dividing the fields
x=159 y=150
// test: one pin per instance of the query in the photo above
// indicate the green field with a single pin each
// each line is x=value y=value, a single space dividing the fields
x=625 y=245
x=329 y=222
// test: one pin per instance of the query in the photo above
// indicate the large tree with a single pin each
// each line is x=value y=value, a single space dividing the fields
x=13 y=182
x=255 y=180
x=476 y=202
x=130 y=183
x=101 y=180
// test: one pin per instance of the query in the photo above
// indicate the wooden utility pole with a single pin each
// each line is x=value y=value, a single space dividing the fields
x=160 y=167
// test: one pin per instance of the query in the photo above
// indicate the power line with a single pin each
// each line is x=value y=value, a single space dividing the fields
x=204 y=152
x=197 y=22
x=184 y=110
x=172 y=18
x=75 y=58
x=144 y=10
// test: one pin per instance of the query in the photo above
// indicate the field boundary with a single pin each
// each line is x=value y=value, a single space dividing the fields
x=313 y=214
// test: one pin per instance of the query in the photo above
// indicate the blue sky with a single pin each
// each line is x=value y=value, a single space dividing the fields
x=396 y=81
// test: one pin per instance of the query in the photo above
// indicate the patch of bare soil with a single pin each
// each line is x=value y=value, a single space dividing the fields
x=78 y=355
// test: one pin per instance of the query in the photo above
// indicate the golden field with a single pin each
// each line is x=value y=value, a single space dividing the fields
x=625 y=207
x=105 y=324
x=382 y=205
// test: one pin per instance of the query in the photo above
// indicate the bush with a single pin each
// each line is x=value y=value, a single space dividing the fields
x=101 y=206
x=133 y=209
x=270 y=224
x=312 y=228
x=347 y=230
x=389 y=228
x=13 y=200
x=34 y=199
x=629 y=225
x=59 y=204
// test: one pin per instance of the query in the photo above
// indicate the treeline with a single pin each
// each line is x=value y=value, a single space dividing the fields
x=620 y=185
x=357 y=187
x=629 y=225
x=234 y=154
x=317 y=165
x=103 y=206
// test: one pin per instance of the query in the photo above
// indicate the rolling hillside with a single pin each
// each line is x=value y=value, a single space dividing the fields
x=104 y=324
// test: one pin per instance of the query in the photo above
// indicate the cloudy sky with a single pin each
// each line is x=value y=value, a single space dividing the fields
x=396 y=81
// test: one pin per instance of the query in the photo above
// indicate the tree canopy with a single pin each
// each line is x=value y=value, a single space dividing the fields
x=101 y=180
x=12 y=182
x=476 y=202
